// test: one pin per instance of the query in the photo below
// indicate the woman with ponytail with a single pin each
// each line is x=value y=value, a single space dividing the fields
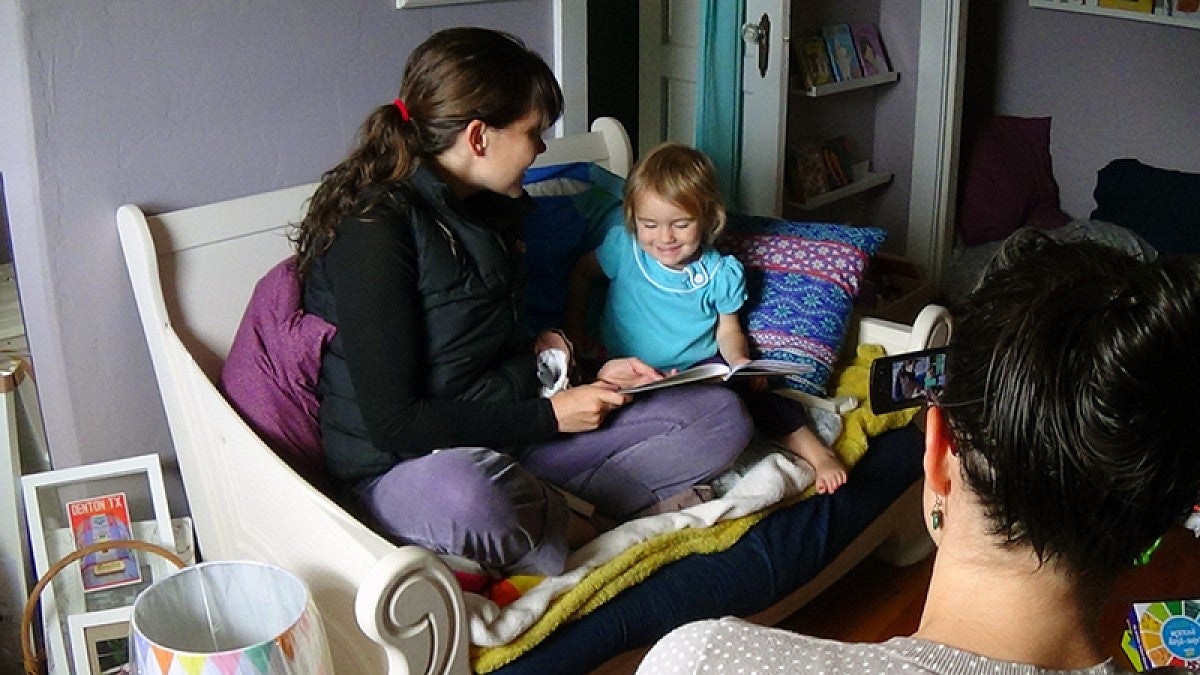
x=430 y=409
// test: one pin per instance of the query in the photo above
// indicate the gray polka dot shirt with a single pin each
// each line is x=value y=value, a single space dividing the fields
x=735 y=646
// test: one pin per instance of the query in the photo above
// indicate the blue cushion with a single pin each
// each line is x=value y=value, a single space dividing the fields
x=576 y=204
x=802 y=278
x=1160 y=205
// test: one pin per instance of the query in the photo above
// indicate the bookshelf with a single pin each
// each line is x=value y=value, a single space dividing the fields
x=863 y=180
x=850 y=85
x=1160 y=15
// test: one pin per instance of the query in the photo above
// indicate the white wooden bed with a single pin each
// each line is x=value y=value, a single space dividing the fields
x=386 y=608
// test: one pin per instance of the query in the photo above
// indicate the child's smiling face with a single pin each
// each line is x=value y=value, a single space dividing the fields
x=666 y=232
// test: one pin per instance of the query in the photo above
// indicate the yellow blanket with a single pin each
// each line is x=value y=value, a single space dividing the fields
x=641 y=560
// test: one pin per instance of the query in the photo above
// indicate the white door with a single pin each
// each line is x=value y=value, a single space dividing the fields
x=764 y=99
x=669 y=42
x=669 y=46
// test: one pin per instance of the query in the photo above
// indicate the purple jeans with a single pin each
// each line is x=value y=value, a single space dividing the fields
x=495 y=509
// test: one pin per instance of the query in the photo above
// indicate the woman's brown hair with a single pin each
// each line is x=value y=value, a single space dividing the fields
x=457 y=75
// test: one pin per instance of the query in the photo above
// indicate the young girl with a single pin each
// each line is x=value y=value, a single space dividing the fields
x=430 y=409
x=673 y=299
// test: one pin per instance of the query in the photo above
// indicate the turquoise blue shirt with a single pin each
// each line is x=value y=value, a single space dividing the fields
x=665 y=317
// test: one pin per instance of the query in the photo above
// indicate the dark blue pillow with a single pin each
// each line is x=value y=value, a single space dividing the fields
x=576 y=204
x=1161 y=205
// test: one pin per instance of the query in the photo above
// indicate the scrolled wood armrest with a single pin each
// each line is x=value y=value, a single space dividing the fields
x=410 y=603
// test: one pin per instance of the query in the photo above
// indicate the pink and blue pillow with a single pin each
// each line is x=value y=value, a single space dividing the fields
x=802 y=278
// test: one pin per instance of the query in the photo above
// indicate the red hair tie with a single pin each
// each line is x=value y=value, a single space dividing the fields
x=403 y=109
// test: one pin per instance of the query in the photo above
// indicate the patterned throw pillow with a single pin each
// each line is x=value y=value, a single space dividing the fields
x=802 y=279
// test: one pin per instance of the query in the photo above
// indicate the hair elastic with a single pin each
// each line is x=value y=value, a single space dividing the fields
x=403 y=109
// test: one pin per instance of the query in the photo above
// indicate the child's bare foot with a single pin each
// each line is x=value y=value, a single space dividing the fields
x=831 y=473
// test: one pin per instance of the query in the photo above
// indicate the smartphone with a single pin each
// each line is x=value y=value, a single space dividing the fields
x=906 y=380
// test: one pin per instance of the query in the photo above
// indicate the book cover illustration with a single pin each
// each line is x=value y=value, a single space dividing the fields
x=814 y=62
x=1144 y=6
x=839 y=44
x=807 y=175
x=98 y=519
x=872 y=55
x=836 y=153
x=1166 y=633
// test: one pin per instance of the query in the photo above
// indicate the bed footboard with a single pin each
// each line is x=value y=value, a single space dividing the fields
x=410 y=603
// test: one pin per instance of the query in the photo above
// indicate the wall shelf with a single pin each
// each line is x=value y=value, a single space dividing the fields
x=848 y=85
x=1160 y=15
x=863 y=180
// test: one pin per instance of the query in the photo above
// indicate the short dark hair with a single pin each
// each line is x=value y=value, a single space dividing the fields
x=1072 y=381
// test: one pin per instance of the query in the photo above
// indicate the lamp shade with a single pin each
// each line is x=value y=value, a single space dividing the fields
x=228 y=618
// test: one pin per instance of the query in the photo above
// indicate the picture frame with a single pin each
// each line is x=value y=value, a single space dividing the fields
x=51 y=538
x=100 y=641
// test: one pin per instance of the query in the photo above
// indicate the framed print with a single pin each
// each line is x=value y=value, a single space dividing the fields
x=69 y=508
x=100 y=641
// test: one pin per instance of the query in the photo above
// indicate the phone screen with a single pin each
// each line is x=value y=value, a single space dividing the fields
x=906 y=380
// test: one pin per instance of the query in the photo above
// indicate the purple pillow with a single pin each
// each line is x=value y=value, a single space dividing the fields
x=1007 y=180
x=270 y=376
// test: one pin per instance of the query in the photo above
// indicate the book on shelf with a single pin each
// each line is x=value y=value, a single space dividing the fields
x=843 y=58
x=814 y=62
x=1163 y=633
x=872 y=55
x=706 y=372
x=836 y=154
x=1144 y=6
x=806 y=173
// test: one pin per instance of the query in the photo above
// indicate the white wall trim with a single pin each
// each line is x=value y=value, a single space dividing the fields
x=570 y=64
x=935 y=138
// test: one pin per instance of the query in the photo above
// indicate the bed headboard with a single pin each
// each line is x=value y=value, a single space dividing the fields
x=209 y=257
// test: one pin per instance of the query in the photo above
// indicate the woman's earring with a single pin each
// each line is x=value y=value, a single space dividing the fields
x=935 y=516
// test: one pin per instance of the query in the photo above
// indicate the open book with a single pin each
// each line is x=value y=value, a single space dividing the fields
x=719 y=371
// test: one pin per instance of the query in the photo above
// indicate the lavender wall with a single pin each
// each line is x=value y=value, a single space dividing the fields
x=1115 y=88
x=169 y=105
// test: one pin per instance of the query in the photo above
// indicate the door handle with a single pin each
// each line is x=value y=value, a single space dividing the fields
x=760 y=34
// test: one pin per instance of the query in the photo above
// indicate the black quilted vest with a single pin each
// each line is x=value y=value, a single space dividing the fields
x=469 y=280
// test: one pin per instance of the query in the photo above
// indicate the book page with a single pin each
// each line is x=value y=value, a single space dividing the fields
x=770 y=367
x=700 y=373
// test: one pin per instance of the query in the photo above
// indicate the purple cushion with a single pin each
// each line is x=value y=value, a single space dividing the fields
x=1007 y=180
x=270 y=376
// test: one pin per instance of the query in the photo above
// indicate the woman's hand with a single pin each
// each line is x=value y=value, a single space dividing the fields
x=584 y=408
x=628 y=372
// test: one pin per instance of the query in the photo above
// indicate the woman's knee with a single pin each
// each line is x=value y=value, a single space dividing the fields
x=473 y=502
x=720 y=417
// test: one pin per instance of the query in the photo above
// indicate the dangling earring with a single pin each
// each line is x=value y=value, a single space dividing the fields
x=935 y=516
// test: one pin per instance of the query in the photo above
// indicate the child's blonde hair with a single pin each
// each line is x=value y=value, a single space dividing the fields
x=683 y=176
